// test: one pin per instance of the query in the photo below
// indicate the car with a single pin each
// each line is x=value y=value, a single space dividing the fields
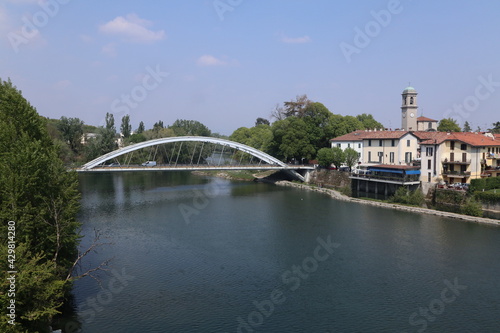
x=149 y=163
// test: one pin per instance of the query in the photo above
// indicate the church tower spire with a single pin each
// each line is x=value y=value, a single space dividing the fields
x=409 y=108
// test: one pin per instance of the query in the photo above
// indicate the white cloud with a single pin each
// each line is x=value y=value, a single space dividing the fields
x=295 y=40
x=209 y=60
x=132 y=29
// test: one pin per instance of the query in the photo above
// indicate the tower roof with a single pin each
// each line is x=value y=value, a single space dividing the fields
x=409 y=89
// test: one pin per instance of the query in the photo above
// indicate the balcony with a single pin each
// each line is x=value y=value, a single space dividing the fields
x=492 y=156
x=459 y=162
x=456 y=174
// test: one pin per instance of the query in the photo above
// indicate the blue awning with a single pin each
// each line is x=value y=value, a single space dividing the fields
x=385 y=170
x=413 y=172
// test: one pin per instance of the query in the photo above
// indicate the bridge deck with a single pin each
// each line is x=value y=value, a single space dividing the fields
x=194 y=168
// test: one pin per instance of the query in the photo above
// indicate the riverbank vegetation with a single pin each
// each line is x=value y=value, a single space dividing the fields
x=41 y=199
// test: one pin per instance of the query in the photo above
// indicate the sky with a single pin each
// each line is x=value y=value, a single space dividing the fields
x=227 y=62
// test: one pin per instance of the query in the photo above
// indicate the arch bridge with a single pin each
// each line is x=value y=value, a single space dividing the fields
x=200 y=158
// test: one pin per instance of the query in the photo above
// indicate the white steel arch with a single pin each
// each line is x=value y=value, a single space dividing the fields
x=247 y=149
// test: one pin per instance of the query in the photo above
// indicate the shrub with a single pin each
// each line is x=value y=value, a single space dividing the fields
x=404 y=196
x=472 y=207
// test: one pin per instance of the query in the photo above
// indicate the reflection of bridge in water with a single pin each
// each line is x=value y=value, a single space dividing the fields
x=190 y=153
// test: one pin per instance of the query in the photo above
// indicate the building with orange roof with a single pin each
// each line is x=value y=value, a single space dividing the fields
x=454 y=157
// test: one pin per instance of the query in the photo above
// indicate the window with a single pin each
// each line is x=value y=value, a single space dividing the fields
x=407 y=143
x=411 y=100
x=429 y=151
x=391 y=157
x=369 y=156
x=429 y=177
x=393 y=142
x=359 y=145
x=429 y=162
x=380 y=143
x=429 y=125
x=464 y=157
x=408 y=157
x=380 y=156
x=452 y=145
x=463 y=146
x=348 y=145
x=369 y=143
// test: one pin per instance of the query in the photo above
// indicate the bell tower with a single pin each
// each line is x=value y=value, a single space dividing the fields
x=409 y=109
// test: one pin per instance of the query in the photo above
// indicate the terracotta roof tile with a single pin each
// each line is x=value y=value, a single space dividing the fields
x=426 y=119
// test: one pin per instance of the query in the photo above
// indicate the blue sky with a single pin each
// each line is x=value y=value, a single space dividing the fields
x=227 y=62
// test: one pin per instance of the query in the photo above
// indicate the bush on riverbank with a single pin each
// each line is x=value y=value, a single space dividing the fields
x=472 y=207
x=404 y=196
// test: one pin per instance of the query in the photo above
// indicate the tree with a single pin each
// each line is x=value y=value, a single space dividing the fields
x=496 y=127
x=41 y=196
x=448 y=125
x=292 y=108
x=262 y=121
x=259 y=137
x=140 y=129
x=158 y=125
x=351 y=157
x=110 y=122
x=338 y=157
x=71 y=131
x=291 y=140
x=369 y=122
x=126 y=128
x=182 y=127
x=325 y=157
x=467 y=127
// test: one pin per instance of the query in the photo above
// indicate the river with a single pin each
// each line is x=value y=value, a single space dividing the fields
x=200 y=254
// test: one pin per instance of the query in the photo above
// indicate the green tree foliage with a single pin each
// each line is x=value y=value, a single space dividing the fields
x=341 y=125
x=125 y=127
x=369 y=122
x=351 y=157
x=41 y=196
x=467 y=127
x=291 y=140
x=104 y=143
x=141 y=128
x=259 y=137
x=338 y=157
x=404 y=196
x=158 y=125
x=262 y=121
x=71 y=130
x=110 y=122
x=325 y=157
x=448 y=125
x=182 y=127
x=472 y=207
x=496 y=127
